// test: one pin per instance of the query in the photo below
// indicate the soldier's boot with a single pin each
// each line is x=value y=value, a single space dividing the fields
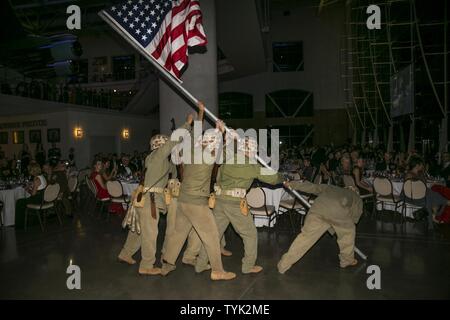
x=149 y=271
x=188 y=261
x=226 y=253
x=166 y=268
x=349 y=264
x=124 y=259
x=222 y=275
x=200 y=269
x=254 y=269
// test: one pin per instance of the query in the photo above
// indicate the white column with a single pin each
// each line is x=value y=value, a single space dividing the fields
x=200 y=78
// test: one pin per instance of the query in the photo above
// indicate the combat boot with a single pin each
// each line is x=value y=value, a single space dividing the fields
x=222 y=275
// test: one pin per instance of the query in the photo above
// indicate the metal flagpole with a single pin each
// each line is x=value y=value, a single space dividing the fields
x=177 y=84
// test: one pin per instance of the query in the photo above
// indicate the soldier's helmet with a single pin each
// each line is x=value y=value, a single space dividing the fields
x=158 y=141
x=248 y=145
x=210 y=140
x=230 y=135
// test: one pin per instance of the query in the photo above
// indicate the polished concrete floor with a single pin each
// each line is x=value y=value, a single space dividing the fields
x=414 y=260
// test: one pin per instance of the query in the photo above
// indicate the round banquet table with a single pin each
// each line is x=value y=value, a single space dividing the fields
x=129 y=187
x=9 y=198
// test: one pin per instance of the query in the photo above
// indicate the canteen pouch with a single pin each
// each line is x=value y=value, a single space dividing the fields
x=138 y=197
x=167 y=196
x=244 y=206
x=176 y=189
x=212 y=200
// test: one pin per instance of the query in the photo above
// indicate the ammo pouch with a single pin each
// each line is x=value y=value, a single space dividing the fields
x=167 y=196
x=138 y=197
x=212 y=200
x=244 y=207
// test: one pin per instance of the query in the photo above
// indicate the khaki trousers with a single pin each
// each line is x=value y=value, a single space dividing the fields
x=146 y=241
x=197 y=217
x=227 y=212
x=194 y=244
x=315 y=226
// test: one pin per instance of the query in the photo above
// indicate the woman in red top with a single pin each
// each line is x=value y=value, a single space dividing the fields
x=102 y=192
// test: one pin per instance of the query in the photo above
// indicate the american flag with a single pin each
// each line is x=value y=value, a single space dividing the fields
x=163 y=28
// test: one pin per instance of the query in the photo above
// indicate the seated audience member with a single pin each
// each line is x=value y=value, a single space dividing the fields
x=344 y=169
x=136 y=161
x=308 y=170
x=358 y=175
x=125 y=168
x=59 y=176
x=36 y=191
x=434 y=202
x=108 y=172
x=386 y=164
x=100 y=185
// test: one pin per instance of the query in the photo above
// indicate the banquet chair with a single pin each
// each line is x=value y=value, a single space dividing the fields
x=90 y=201
x=98 y=202
x=256 y=200
x=414 y=190
x=73 y=187
x=349 y=182
x=51 y=194
x=291 y=206
x=384 y=194
x=115 y=189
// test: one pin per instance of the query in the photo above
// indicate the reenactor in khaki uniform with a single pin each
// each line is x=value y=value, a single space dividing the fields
x=336 y=210
x=193 y=212
x=156 y=176
x=233 y=181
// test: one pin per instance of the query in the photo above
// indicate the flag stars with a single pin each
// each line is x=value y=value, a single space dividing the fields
x=113 y=9
x=158 y=18
x=142 y=25
x=119 y=13
x=130 y=13
x=158 y=7
x=152 y=12
x=144 y=37
x=125 y=19
x=153 y=25
x=138 y=31
x=136 y=19
x=131 y=25
x=147 y=19
x=124 y=7
x=147 y=7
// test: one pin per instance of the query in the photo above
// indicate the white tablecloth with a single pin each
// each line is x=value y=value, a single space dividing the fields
x=128 y=187
x=9 y=198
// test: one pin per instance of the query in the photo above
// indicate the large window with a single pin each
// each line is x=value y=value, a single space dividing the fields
x=294 y=135
x=235 y=105
x=123 y=67
x=289 y=103
x=287 y=56
x=99 y=69
x=80 y=71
